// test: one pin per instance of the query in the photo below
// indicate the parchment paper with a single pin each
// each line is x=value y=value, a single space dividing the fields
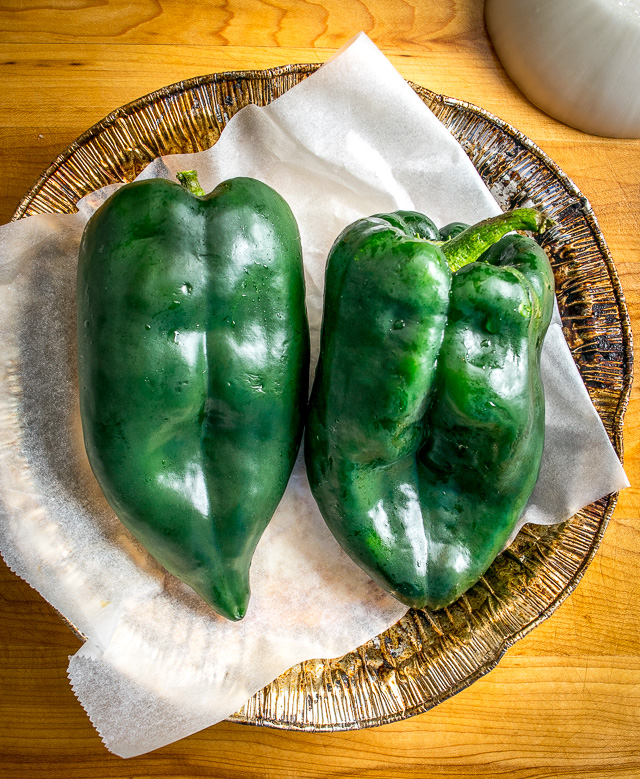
x=158 y=664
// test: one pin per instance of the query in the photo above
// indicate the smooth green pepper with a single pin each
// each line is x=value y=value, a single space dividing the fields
x=193 y=351
x=452 y=229
x=426 y=420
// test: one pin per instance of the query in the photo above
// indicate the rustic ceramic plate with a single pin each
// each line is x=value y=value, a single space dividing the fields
x=426 y=657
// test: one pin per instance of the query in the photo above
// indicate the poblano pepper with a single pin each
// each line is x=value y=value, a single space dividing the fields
x=426 y=421
x=193 y=369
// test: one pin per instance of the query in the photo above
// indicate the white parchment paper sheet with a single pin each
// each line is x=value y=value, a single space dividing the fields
x=351 y=140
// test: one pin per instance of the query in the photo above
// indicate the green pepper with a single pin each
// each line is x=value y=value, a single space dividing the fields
x=452 y=229
x=426 y=420
x=193 y=352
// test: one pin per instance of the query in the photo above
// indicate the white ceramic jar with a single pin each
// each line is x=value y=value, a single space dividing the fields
x=578 y=60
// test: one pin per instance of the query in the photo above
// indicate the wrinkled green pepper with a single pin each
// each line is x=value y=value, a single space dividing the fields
x=426 y=421
x=193 y=352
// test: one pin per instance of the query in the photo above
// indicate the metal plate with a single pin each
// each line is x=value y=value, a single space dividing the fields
x=425 y=657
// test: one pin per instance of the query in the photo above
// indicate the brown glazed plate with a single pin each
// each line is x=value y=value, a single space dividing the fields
x=425 y=657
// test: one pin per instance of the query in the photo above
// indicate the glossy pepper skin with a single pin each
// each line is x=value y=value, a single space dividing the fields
x=426 y=421
x=193 y=353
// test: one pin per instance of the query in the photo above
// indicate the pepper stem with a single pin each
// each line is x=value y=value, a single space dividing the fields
x=189 y=180
x=468 y=245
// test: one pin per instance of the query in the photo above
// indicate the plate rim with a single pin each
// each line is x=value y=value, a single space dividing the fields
x=625 y=324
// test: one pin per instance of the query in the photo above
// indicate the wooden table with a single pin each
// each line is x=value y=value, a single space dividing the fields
x=565 y=701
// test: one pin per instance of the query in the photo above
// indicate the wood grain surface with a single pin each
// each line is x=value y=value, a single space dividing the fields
x=565 y=701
